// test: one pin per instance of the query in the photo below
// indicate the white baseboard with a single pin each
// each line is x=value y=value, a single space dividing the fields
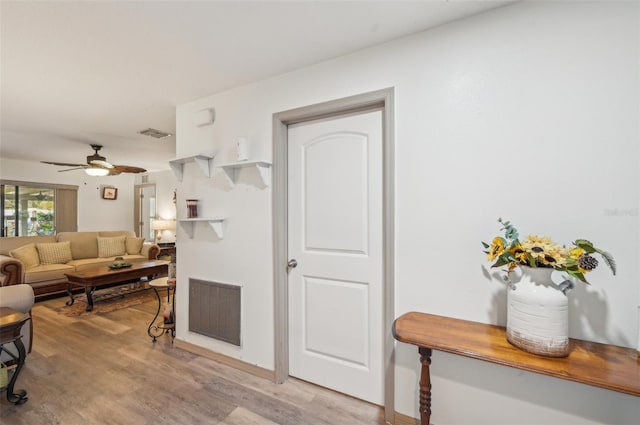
x=226 y=360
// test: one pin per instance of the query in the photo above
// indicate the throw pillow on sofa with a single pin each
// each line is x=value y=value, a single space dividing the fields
x=28 y=254
x=55 y=252
x=111 y=247
x=133 y=245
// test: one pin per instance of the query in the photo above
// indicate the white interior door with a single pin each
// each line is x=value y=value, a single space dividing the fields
x=335 y=235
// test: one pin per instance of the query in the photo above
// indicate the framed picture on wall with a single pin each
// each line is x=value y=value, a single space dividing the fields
x=110 y=193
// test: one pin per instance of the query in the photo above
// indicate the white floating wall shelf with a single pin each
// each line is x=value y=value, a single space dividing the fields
x=230 y=170
x=215 y=223
x=204 y=162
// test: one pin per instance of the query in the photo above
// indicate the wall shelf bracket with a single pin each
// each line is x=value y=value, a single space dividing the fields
x=215 y=223
x=231 y=169
x=204 y=162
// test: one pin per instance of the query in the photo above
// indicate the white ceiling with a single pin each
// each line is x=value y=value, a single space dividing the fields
x=75 y=73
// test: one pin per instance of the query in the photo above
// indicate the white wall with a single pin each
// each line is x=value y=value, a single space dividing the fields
x=529 y=113
x=94 y=213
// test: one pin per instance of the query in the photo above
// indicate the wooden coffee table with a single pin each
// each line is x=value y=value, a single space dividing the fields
x=103 y=276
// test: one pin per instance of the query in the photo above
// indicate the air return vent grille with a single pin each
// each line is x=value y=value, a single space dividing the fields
x=214 y=310
x=156 y=134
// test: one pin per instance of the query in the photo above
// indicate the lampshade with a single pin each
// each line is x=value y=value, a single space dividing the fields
x=96 y=171
x=163 y=224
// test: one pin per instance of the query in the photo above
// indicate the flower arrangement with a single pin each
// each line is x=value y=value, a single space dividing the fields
x=540 y=251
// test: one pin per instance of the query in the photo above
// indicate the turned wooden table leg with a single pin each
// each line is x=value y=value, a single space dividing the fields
x=88 y=291
x=425 y=385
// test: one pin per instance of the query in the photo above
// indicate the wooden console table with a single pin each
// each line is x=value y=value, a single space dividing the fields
x=600 y=365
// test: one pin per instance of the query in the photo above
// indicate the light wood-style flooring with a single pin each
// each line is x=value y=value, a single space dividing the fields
x=104 y=369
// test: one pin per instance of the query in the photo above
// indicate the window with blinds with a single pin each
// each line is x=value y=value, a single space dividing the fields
x=37 y=209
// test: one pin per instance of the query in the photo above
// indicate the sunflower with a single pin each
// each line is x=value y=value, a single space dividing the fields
x=519 y=253
x=576 y=253
x=544 y=251
x=496 y=248
x=555 y=256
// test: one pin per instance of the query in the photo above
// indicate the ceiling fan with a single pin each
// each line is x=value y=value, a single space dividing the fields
x=97 y=165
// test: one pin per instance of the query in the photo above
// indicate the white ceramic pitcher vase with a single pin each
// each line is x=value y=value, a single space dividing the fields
x=537 y=313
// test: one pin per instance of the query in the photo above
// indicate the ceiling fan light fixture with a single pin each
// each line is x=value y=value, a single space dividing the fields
x=96 y=171
x=101 y=163
x=97 y=160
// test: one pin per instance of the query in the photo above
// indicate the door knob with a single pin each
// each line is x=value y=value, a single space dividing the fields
x=292 y=264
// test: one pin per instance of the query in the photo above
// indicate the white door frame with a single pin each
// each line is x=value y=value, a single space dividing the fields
x=378 y=99
x=138 y=207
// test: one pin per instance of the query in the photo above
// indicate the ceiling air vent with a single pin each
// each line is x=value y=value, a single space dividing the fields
x=156 y=134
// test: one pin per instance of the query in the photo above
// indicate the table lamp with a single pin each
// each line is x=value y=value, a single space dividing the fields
x=160 y=225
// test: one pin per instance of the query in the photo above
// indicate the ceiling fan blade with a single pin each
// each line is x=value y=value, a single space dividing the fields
x=97 y=161
x=81 y=167
x=63 y=164
x=127 y=169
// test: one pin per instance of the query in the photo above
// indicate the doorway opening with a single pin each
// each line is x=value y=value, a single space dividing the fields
x=144 y=210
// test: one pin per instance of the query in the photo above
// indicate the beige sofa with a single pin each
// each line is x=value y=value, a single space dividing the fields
x=42 y=261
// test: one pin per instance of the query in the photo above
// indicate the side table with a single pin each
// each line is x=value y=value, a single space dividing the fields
x=168 y=251
x=11 y=322
x=158 y=327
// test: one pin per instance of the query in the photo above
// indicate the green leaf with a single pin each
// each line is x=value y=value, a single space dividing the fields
x=501 y=262
x=511 y=233
x=571 y=266
x=585 y=244
x=577 y=275
x=608 y=258
x=486 y=245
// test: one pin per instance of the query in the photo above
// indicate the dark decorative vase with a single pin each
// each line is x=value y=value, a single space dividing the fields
x=192 y=208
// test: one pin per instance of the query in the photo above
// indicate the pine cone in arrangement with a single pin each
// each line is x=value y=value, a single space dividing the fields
x=587 y=262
